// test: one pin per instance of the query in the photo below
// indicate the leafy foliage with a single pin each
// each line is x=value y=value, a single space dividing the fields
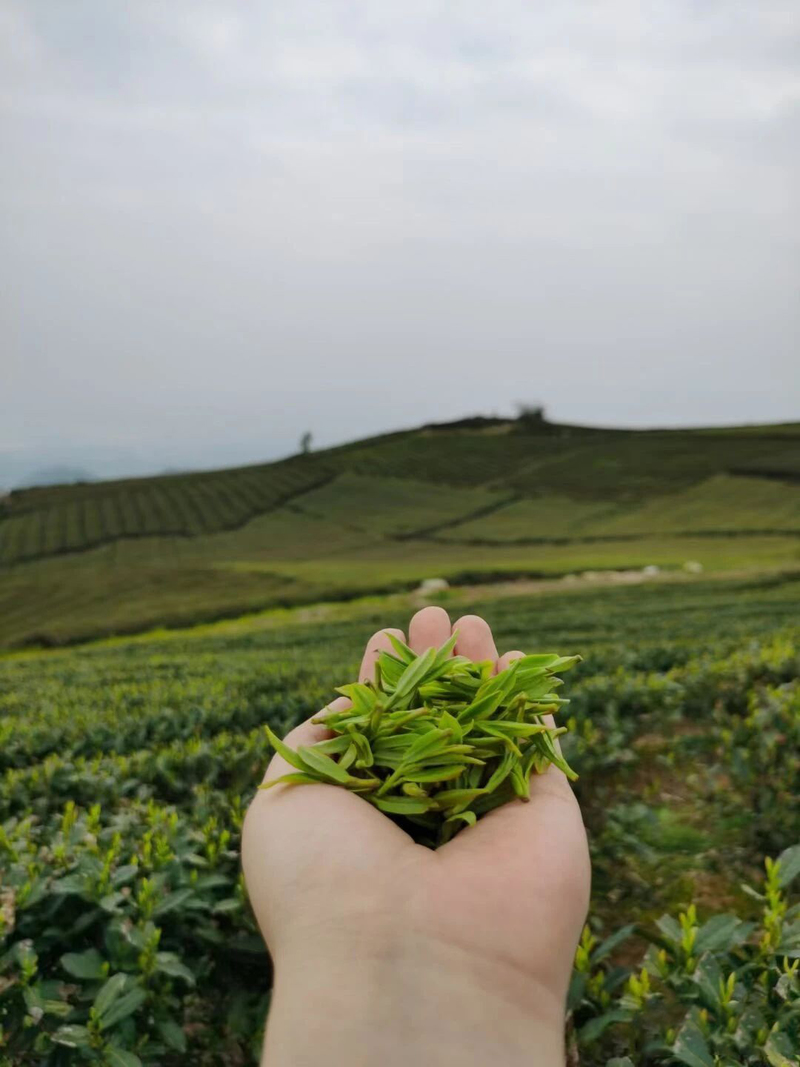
x=57 y=519
x=125 y=770
x=724 y=991
x=761 y=749
x=436 y=740
x=384 y=513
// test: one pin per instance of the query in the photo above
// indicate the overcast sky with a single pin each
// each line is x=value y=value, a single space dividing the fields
x=226 y=223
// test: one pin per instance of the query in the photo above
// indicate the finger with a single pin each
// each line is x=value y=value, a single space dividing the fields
x=475 y=639
x=379 y=642
x=307 y=733
x=507 y=659
x=429 y=628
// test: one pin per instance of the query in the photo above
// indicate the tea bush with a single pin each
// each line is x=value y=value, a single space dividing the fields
x=125 y=770
x=761 y=749
x=723 y=991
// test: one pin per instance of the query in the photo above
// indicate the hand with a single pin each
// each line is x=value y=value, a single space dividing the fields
x=386 y=952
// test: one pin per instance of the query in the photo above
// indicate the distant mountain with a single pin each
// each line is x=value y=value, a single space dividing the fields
x=54 y=476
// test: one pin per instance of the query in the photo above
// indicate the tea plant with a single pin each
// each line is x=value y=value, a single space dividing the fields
x=761 y=749
x=125 y=771
x=717 y=993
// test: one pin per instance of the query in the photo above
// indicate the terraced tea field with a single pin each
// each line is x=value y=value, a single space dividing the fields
x=464 y=502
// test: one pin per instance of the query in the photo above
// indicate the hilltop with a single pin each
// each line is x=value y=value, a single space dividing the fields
x=464 y=500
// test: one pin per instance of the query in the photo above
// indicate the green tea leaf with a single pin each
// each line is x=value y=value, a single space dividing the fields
x=109 y=992
x=436 y=774
x=789 y=869
x=595 y=1028
x=481 y=708
x=335 y=745
x=606 y=947
x=171 y=1034
x=514 y=729
x=540 y=661
x=443 y=653
x=364 y=756
x=413 y=675
x=364 y=697
x=393 y=721
x=428 y=744
x=300 y=778
x=690 y=1046
x=390 y=670
x=520 y=783
x=468 y=817
x=72 y=1036
x=317 y=761
x=721 y=931
x=88 y=964
x=348 y=757
x=404 y=653
x=453 y=797
x=781 y=1051
x=284 y=750
x=450 y=722
x=545 y=740
x=120 y=1057
x=172 y=901
x=501 y=772
x=124 y=1006
x=402 y=805
x=168 y=963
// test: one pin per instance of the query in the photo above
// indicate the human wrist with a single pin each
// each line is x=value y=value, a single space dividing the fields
x=390 y=1003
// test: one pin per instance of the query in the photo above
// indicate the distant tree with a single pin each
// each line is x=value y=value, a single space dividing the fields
x=531 y=418
x=531 y=413
x=305 y=442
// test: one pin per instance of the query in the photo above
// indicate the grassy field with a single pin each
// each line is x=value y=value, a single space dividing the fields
x=460 y=502
x=126 y=765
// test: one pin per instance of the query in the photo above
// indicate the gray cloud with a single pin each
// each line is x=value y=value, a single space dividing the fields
x=225 y=223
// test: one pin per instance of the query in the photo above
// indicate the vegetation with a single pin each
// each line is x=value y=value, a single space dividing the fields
x=470 y=500
x=57 y=519
x=722 y=504
x=436 y=741
x=126 y=767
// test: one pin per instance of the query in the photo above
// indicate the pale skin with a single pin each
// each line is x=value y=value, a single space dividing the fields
x=386 y=952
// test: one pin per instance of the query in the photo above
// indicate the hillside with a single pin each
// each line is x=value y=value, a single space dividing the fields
x=469 y=499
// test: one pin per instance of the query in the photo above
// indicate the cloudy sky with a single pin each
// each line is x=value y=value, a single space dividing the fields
x=226 y=223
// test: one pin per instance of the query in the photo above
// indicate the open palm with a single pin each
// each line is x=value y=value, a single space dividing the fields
x=509 y=894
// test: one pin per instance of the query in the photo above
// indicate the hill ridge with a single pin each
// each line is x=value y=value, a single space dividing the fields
x=462 y=501
x=516 y=458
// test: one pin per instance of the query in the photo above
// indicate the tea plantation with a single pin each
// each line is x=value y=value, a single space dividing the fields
x=470 y=500
x=126 y=767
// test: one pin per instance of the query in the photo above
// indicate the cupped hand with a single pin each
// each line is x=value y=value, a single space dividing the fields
x=485 y=926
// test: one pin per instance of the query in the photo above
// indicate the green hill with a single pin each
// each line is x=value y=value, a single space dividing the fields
x=476 y=498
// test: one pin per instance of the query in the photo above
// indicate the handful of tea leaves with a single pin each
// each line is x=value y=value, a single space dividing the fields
x=436 y=740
